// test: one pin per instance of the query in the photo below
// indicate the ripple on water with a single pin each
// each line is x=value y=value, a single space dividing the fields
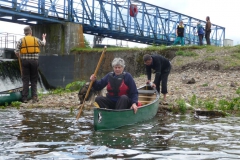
x=55 y=134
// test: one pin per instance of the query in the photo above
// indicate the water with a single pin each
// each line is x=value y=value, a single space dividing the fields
x=42 y=134
x=10 y=76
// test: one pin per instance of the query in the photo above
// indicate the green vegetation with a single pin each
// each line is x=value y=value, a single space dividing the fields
x=182 y=106
x=193 y=100
x=75 y=86
x=209 y=105
x=86 y=42
x=205 y=85
x=71 y=87
x=16 y=104
x=2 y=107
x=186 y=53
x=222 y=105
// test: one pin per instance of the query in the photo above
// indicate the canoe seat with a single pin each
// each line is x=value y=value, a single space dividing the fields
x=145 y=102
x=146 y=91
x=147 y=96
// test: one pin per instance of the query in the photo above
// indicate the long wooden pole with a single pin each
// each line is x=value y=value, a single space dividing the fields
x=91 y=83
x=20 y=64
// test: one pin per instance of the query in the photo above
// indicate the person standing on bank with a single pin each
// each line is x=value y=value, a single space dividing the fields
x=28 y=50
x=180 y=34
x=121 y=89
x=162 y=67
x=208 y=30
x=200 y=32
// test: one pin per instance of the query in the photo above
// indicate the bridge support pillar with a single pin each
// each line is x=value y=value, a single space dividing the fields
x=61 y=38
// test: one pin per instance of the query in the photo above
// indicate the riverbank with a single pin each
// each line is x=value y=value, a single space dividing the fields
x=209 y=86
x=201 y=78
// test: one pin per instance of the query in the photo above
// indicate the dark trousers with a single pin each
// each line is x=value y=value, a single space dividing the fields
x=29 y=74
x=164 y=79
x=123 y=102
x=207 y=36
x=200 y=36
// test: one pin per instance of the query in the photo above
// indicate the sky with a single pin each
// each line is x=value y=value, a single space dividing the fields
x=222 y=12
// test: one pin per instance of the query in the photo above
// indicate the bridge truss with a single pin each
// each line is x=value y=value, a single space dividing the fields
x=110 y=18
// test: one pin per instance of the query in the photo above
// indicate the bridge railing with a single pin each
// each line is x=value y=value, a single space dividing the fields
x=111 y=18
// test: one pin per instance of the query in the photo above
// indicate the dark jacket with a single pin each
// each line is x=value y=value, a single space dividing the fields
x=128 y=80
x=160 y=65
x=180 y=31
x=208 y=26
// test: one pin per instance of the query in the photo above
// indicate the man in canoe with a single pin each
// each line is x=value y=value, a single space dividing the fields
x=27 y=49
x=162 y=67
x=121 y=89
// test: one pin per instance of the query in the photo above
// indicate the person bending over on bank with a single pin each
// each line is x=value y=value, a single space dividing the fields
x=162 y=67
x=27 y=49
x=121 y=89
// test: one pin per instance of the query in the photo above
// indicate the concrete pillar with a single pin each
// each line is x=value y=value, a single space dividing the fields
x=61 y=38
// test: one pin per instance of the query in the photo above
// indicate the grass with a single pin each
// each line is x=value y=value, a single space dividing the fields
x=211 y=58
x=223 y=105
x=186 y=53
x=182 y=106
x=71 y=87
x=193 y=100
x=205 y=85
x=209 y=105
x=16 y=104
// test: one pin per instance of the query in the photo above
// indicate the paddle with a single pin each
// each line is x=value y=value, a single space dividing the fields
x=91 y=83
x=20 y=64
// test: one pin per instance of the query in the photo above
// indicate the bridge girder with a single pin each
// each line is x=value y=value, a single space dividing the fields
x=109 y=18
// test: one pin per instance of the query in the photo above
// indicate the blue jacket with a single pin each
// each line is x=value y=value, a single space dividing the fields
x=128 y=80
x=200 y=29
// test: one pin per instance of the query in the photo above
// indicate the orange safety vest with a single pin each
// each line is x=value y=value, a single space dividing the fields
x=29 y=45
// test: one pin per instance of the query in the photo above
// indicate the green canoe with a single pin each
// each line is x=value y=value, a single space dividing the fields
x=105 y=119
x=10 y=95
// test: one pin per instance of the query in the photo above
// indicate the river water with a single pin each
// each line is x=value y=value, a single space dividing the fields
x=51 y=134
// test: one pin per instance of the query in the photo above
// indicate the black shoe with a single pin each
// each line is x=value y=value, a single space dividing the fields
x=24 y=101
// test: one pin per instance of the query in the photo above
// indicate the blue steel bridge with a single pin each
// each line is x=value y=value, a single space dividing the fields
x=110 y=18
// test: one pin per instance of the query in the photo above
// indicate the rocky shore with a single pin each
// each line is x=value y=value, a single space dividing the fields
x=208 y=85
x=209 y=74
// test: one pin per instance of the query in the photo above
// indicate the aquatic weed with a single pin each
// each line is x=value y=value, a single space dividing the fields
x=182 y=106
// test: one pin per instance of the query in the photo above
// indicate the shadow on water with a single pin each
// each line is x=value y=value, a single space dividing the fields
x=53 y=134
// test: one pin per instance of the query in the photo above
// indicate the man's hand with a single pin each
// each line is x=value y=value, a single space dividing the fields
x=17 y=54
x=148 y=82
x=93 y=77
x=44 y=35
x=134 y=107
x=153 y=85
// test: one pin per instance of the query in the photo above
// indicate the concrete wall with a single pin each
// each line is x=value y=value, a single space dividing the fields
x=61 y=38
x=63 y=69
